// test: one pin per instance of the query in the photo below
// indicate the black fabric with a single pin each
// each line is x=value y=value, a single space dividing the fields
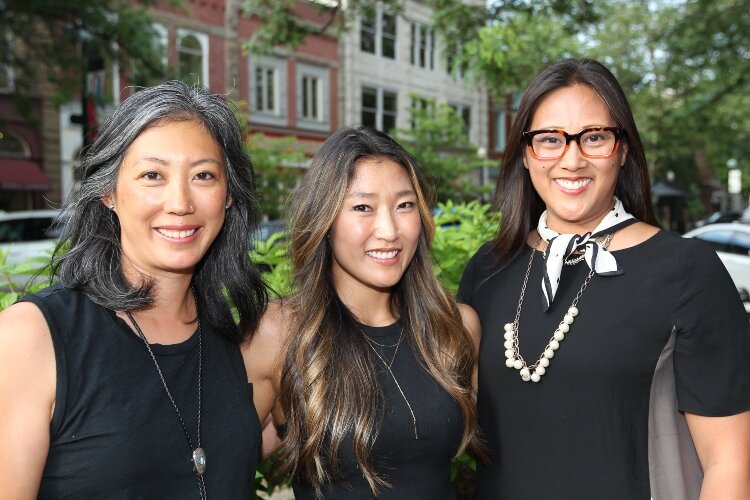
x=114 y=433
x=582 y=432
x=416 y=469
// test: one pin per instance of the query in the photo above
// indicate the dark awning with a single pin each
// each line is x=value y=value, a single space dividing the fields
x=20 y=174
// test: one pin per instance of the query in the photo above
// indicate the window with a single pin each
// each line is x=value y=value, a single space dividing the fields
x=192 y=64
x=13 y=146
x=379 y=108
x=455 y=65
x=741 y=243
x=378 y=33
x=501 y=131
x=422 y=46
x=464 y=111
x=420 y=106
x=312 y=97
x=718 y=239
x=267 y=90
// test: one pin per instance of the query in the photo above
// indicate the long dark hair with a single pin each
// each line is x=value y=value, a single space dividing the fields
x=329 y=387
x=515 y=197
x=88 y=257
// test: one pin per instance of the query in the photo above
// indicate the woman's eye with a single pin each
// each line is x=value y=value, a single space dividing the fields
x=361 y=208
x=205 y=176
x=152 y=176
x=406 y=204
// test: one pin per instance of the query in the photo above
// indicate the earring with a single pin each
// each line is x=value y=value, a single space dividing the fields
x=226 y=206
x=111 y=206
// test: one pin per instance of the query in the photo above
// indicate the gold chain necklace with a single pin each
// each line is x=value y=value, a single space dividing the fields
x=388 y=367
x=513 y=357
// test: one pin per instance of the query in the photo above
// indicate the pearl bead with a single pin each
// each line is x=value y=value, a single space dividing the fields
x=508 y=344
x=508 y=327
x=558 y=335
x=569 y=319
x=544 y=362
x=564 y=327
x=508 y=335
x=535 y=377
x=509 y=362
x=524 y=372
x=510 y=354
x=554 y=344
x=526 y=377
x=540 y=370
x=549 y=353
x=573 y=311
x=517 y=364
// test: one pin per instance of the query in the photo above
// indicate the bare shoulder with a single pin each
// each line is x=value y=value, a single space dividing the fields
x=633 y=235
x=471 y=322
x=261 y=352
x=25 y=336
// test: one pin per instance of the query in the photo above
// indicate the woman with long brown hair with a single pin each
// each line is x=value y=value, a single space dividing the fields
x=375 y=386
x=614 y=358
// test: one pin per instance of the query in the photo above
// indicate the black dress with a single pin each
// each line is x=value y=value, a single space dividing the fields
x=668 y=336
x=114 y=434
x=417 y=469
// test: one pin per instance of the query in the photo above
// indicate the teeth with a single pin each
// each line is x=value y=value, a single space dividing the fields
x=383 y=255
x=176 y=234
x=566 y=184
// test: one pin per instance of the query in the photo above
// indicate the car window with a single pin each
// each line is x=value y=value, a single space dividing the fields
x=28 y=229
x=719 y=239
x=741 y=243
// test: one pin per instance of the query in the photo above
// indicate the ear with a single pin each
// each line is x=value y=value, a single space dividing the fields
x=624 y=154
x=108 y=200
x=525 y=164
x=228 y=203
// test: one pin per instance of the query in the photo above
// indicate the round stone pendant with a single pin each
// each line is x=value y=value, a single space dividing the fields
x=199 y=460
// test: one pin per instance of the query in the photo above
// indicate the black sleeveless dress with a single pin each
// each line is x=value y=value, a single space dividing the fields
x=114 y=434
x=417 y=469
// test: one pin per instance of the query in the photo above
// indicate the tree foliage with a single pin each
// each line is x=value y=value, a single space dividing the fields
x=45 y=40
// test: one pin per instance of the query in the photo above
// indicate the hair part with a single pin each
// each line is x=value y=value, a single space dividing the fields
x=329 y=388
x=89 y=255
x=515 y=196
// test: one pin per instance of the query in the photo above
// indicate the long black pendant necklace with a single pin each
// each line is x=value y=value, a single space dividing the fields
x=198 y=453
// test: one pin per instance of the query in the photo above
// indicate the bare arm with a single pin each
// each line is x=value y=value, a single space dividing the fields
x=472 y=324
x=723 y=446
x=262 y=357
x=27 y=397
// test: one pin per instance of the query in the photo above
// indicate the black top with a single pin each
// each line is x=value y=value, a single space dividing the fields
x=415 y=468
x=668 y=335
x=114 y=433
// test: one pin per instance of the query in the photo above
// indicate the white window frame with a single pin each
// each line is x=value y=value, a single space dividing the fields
x=322 y=76
x=278 y=114
x=203 y=41
x=379 y=102
x=422 y=34
x=380 y=35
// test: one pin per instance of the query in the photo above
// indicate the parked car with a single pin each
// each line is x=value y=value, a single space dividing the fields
x=719 y=217
x=27 y=234
x=732 y=243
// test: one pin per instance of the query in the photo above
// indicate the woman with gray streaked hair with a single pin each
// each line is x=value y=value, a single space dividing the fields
x=125 y=379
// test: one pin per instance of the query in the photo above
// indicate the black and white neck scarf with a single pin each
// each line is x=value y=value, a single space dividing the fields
x=562 y=246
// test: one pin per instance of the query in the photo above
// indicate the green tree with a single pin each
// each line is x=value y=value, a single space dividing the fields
x=438 y=141
x=44 y=40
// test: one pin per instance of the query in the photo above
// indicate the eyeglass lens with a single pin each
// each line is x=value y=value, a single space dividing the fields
x=591 y=142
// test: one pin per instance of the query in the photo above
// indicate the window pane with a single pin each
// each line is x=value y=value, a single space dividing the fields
x=259 y=89
x=389 y=122
x=270 y=90
x=422 y=47
x=190 y=67
x=741 y=243
x=369 y=99
x=369 y=118
x=413 y=45
x=389 y=102
x=367 y=33
x=314 y=99
x=718 y=239
x=388 y=38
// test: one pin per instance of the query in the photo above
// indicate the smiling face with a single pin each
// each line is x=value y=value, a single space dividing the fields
x=577 y=191
x=375 y=235
x=169 y=198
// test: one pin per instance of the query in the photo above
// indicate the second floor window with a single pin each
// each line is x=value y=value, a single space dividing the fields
x=422 y=46
x=379 y=108
x=378 y=33
x=192 y=64
x=266 y=89
x=311 y=97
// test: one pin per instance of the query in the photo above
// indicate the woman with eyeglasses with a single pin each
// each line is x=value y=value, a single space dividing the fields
x=614 y=361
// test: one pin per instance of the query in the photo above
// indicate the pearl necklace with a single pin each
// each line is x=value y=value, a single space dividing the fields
x=513 y=358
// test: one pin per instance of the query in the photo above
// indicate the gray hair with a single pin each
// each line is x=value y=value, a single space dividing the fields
x=89 y=253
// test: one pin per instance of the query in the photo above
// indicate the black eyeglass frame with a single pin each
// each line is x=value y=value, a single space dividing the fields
x=528 y=136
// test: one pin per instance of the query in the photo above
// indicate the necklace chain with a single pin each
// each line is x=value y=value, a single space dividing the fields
x=370 y=343
x=198 y=454
x=513 y=356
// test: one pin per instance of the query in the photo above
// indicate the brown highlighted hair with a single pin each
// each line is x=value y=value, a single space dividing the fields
x=515 y=197
x=329 y=387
